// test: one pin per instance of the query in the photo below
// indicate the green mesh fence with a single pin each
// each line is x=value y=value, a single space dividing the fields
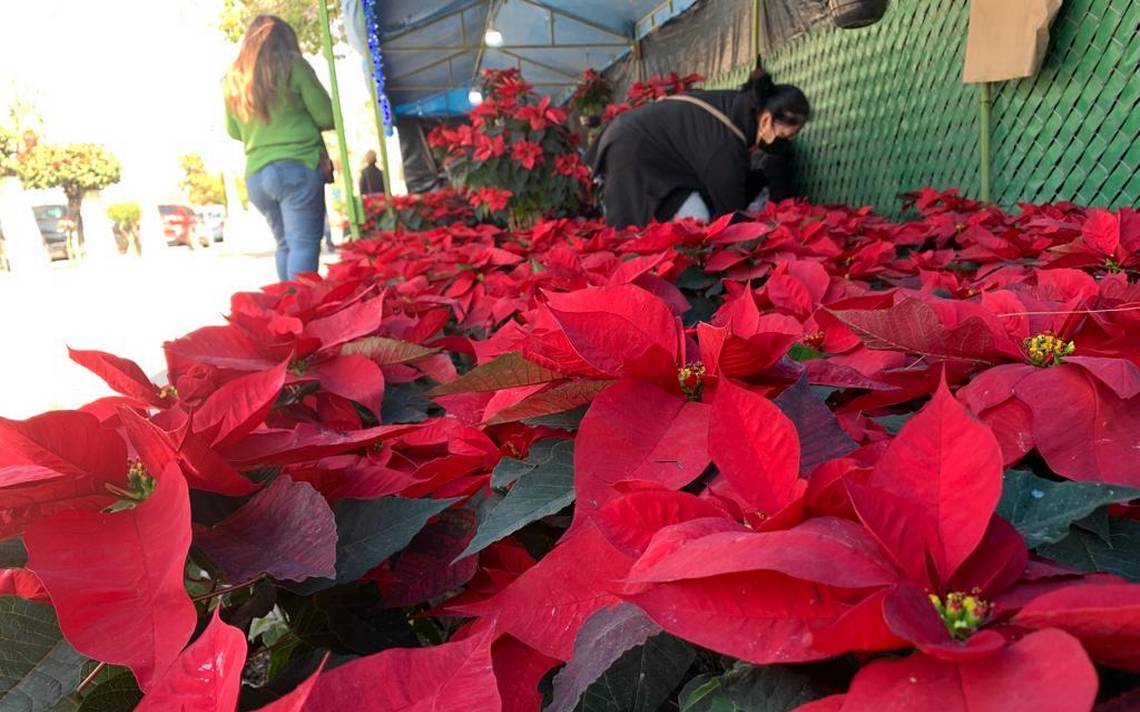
x=1073 y=131
x=893 y=115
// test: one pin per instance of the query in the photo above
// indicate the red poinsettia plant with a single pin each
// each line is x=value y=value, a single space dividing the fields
x=516 y=156
x=656 y=87
x=811 y=459
x=418 y=211
x=591 y=95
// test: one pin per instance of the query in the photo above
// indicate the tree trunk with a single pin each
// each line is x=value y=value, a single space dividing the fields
x=74 y=204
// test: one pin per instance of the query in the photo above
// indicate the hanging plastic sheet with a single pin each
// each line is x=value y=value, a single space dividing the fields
x=784 y=20
x=724 y=29
x=421 y=171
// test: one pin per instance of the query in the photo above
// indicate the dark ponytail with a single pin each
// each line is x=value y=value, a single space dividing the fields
x=786 y=103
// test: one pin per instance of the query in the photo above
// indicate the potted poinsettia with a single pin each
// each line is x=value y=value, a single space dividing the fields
x=590 y=98
x=656 y=87
x=516 y=156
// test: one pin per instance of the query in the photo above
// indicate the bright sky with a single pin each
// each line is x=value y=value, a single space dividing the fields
x=142 y=77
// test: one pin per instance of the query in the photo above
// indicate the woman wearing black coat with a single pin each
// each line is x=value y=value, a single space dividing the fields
x=680 y=158
x=371 y=177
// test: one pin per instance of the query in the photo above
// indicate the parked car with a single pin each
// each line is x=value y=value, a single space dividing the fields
x=182 y=226
x=55 y=225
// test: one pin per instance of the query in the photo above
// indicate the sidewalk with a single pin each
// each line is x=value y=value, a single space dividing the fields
x=126 y=306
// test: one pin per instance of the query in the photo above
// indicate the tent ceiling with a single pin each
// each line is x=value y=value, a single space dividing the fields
x=432 y=48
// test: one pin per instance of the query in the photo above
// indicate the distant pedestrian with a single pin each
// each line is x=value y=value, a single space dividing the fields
x=277 y=108
x=371 y=177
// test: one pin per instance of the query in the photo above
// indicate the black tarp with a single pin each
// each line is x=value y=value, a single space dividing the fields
x=422 y=172
x=714 y=37
x=784 y=20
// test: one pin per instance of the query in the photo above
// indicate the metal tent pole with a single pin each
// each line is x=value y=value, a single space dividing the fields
x=984 y=145
x=755 y=29
x=338 y=119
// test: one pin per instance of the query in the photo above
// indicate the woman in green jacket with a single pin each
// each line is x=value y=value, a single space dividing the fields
x=277 y=108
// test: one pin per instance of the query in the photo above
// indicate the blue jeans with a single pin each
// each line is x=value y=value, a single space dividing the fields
x=291 y=196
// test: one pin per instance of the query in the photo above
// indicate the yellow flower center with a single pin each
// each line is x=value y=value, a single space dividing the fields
x=1047 y=350
x=136 y=471
x=691 y=379
x=140 y=486
x=168 y=392
x=962 y=613
x=298 y=367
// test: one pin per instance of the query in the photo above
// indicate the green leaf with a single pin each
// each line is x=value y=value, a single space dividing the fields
x=37 y=666
x=347 y=619
x=370 y=531
x=642 y=678
x=13 y=555
x=893 y=423
x=118 y=694
x=387 y=352
x=1042 y=510
x=803 y=352
x=749 y=688
x=507 y=371
x=695 y=279
x=568 y=420
x=700 y=309
x=705 y=693
x=404 y=403
x=544 y=484
x=1096 y=523
x=1086 y=551
x=771 y=688
x=73 y=702
x=542 y=454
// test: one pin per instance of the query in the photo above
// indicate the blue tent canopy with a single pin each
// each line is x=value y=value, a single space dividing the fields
x=434 y=51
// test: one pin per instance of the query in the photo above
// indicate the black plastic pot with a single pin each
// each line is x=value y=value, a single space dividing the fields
x=852 y=14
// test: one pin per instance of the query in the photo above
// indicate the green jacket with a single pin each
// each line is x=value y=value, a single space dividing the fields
x=302 y=110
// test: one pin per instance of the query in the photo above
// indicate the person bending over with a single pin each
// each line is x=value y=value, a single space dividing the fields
x=690 y=156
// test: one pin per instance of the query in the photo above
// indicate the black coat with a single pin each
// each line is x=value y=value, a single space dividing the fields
x=654 y=156
x=774 y=168
x=371 y=180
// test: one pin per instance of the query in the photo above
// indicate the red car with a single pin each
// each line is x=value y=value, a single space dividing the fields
x=181 y=226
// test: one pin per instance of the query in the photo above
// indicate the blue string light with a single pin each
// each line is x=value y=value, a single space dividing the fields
x=377 y=61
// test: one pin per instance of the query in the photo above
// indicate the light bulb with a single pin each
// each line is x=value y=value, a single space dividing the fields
x=493 y=38
x=475 y=97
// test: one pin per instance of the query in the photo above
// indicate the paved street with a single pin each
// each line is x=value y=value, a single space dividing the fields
x=127 y=306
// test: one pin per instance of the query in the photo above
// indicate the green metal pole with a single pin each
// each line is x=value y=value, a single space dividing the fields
x=984 y=145
x=755 y=29
x=338 y=119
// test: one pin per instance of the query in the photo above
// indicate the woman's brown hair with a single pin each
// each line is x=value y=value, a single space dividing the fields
x=264 y=61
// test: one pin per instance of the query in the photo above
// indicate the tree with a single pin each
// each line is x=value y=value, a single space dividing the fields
x=125 y=219
x=201 y=186
x=303 y=15
x=9 y=149
x=76 y=168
